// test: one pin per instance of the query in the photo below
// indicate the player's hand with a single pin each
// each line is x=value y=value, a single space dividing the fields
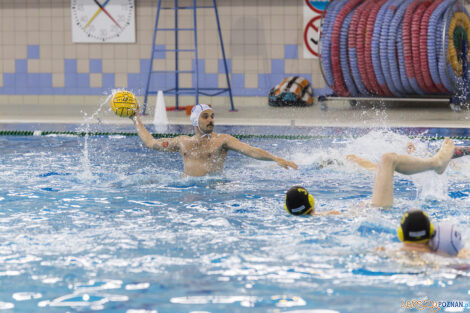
x=286 y=164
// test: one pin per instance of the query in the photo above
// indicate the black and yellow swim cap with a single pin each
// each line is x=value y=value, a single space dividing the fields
x=415 y=227
x=299 y=201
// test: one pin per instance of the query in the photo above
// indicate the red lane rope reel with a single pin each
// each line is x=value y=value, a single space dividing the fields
x=423 y=44
x=368 y=50
x=340 y=87
x=415 y=44
x=360 y=44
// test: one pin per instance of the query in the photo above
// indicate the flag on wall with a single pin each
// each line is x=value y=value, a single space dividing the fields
x=313 y=11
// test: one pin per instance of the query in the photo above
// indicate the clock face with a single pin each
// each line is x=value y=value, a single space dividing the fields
x=103 y=21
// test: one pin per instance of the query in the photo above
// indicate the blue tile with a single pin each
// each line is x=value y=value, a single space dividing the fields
x=21 y=80
x=9 y=80
x=144 y=65
x=159 y=54
x=70 y=66
x=45 y=80
x=159 y=81
x=201 y=65
x=206 y=80
x=277 y=66
x=108 y=81
x=96 y=66
x=238 y=81
x=21 y=66
x=291 y=52
x=221 y=66
x=32 y=81
x=83 y=80
x=135 y=81
x=70 y=80
x=33 y=51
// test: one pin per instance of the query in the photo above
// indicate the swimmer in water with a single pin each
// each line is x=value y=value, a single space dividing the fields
x=418 y=233
x=390 y=163
x=205 y=152
x=300 y=202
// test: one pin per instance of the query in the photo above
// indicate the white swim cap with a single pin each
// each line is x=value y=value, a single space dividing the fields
x=196 y=111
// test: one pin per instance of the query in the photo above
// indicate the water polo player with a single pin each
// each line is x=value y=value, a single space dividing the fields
x=418 y=233
x=382 y=195
x=205 y=152
x=300 y=202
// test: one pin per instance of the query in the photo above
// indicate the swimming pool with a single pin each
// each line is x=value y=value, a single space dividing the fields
x=102 y=224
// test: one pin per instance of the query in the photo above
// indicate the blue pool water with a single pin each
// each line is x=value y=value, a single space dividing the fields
x=101 y=224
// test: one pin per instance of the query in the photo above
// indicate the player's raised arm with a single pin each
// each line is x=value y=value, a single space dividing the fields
x=162 y=144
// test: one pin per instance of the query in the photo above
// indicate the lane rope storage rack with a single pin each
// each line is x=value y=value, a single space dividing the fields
x=396 y=50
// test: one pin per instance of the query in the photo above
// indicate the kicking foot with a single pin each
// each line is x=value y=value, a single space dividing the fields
x=444 y=155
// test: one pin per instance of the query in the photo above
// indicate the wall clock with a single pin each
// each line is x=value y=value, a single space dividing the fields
x=103 y=21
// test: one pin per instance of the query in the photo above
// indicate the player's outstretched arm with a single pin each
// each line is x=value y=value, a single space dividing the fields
x=232 y=143
x=162 y=144
x=367 y=164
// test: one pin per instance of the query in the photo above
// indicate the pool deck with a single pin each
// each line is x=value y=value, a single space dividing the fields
x=338 y=114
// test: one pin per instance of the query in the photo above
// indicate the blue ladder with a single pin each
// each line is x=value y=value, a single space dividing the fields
x=177 y=90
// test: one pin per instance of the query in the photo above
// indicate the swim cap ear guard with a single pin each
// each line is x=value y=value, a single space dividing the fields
x=415 y=227
x=299 y=201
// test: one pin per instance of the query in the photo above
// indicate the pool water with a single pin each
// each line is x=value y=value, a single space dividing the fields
x=103 y=224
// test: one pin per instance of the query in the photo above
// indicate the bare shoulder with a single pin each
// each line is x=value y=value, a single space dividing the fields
x=223 y=138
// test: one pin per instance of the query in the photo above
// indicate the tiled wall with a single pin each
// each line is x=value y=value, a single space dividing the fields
x=263 y=44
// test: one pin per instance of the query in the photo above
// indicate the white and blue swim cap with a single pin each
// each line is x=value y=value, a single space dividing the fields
x=447 y=239
x=196 y=112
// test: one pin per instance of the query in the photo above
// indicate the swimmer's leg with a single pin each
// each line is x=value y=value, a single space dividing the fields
x=367 y=164
x=460 y=152
x=382 y=195
x=405 y=164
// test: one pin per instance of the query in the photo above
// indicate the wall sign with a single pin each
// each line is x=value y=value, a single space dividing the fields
x=313 y=11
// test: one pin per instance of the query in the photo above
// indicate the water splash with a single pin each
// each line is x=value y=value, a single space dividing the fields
x=85 y=173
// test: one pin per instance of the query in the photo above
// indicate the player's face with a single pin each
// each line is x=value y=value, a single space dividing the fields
x=206 y=121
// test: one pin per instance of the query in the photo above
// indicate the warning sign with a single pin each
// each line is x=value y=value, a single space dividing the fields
x=313 y=11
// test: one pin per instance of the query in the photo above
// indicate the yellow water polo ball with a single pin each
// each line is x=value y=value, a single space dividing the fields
x=124 y=103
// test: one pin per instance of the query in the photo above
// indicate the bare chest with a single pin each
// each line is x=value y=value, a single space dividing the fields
x=197 y=150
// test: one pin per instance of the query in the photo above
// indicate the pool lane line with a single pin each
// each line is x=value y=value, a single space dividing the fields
x=170 y=135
